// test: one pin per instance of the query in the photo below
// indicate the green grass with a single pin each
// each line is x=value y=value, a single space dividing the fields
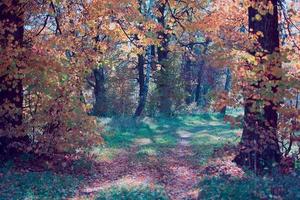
x=251 y=187
x=134 y=193
x=36 y=185
x=150 y=137
x=155 y=136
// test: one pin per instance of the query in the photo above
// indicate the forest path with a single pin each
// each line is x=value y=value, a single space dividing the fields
x=165 y=153
x=182 y=170
x=150 y=158
x=174 y=170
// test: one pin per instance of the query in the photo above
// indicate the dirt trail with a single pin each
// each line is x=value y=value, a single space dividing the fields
x=174 y=170
x=183 y=173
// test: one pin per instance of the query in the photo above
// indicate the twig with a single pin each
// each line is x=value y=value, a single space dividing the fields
x=177 y=19
x=129 y=38
x=56 y=19
x=289 y=22
x=44 y=25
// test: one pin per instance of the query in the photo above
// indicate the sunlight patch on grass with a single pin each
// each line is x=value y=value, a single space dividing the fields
x=184 y=134
x=166 y=139
x=215 y=123
x=128 y=181
x=147 y=151
x=155 y=136
x=142 y=141
x=150 y=122
x=205 y=138
x=106 y=154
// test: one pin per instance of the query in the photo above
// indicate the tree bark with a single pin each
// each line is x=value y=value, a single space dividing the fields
x=144 y=81
x=226 y=88
x=100 y=106
x=165 y=102
x=297 y=101
x=259 y=144
x=199 y=93
x=199 y=88
x=141 y=80
x=188 y=79
x=11 y=88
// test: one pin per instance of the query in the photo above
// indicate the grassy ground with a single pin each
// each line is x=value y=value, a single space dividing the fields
x=150 y=158
x=154 y=136
x=163 y=151
x=149 y=148
x=21 y=185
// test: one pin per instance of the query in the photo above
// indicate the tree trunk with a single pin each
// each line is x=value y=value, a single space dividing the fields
x=144 y=81
x=100 y=106
x=199 y=99
x=141 y=80
x=187 y=75
x=259 y=143
x=165 y=102
x=297 y=101
x=226 y=88
x=11 y=89
x=199 y=88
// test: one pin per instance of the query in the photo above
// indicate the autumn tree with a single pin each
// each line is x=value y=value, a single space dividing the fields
x=11 y=87
x=42 y=69
x=146 y=8
x=259 y=143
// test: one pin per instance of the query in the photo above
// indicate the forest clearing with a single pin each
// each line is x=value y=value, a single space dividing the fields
x=149 y=99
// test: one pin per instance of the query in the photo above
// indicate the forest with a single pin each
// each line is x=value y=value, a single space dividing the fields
x=149 y=99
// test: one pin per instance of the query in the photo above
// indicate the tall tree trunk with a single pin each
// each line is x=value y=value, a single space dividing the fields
x=187 y=75
x=100 y=106
x=165 y=102
x=226 y=88
x=11 y=89
x=199 y=88
x=141 y=80
x=259 y=143
x=297 y=101
x=144 y=81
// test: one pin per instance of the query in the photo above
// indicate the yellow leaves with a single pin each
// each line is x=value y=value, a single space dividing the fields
x=258 y=17
x=250 y=59
x=263 y=7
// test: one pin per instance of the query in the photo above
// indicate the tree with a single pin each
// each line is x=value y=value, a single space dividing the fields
x=259 y=143
x=226 y=88
x=100 y=107
x=144 y=79
x=11 y=87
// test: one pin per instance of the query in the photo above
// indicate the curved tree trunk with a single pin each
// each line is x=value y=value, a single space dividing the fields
x=259 y=143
